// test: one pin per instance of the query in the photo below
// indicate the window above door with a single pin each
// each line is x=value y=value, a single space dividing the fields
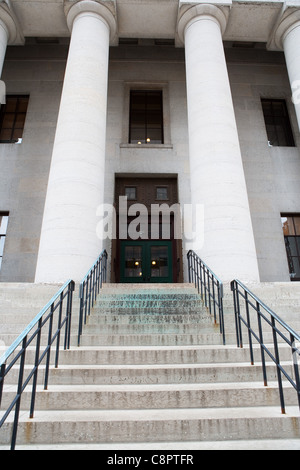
x=146 y=117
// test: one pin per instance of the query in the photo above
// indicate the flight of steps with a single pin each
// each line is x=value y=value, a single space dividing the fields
x=152 y=373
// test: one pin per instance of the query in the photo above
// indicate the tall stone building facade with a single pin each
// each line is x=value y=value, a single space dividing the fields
x=149 y=128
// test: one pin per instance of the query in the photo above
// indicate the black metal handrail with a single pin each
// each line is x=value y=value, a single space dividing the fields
x=245 y=304
x=14 y=358
x=209 y=286
x=89 y=289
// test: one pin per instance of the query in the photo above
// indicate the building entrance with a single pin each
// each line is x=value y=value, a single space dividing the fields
x=146 y=249
x=146 y=261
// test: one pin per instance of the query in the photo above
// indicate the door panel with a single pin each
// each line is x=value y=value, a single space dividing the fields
x=146 y=261
x=133 y=258
x=132 y=262
x=160 y=261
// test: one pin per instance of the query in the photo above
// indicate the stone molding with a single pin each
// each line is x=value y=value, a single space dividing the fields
x=106 y=10
x=10 y=23
x=289 y=20
x=202 y=11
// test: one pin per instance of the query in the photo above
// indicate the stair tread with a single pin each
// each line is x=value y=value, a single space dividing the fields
x=243 y=444
x=177 y=414
x=76 y=388
x=118 y=393
x=161 y=366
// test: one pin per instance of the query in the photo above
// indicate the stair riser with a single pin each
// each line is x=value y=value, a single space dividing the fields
x=158 y=356
x=150 y=339
x=148 y=329
x=18 y=321
x=148 y=303
x=161 y=375
x=159 y=339
x=123 y=400
x=151 y=318
x=145 y=296
x=135 y=340
x=34 y=432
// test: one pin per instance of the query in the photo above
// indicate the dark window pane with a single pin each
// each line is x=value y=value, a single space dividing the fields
x=291 y=227
x=295 y=272
x=3 y=229
x=297 y=225
x=8 y=121
x=5 y=135
x=17 y=134
x=291 y=245
x=20 y=120
x=162 y=194
x=12 y=118
x=133 y=261
x=22 y=105
x=146 y=117
x=277 y=122
x=11 y=104
x=159 y=261
x=130 y=192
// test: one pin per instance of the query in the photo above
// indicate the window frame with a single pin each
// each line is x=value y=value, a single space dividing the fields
x=3 y=235
x=295 y=236
x=157 y=188
x=284 y=121
x=146 y=85
x=4 y=112
x=145 y=138
x=135 y=195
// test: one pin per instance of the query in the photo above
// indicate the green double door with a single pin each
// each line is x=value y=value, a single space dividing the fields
x=146 y=261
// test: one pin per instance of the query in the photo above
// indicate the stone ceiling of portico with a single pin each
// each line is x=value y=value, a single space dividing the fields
x=249 y=20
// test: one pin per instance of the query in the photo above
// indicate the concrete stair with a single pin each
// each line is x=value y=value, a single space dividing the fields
x=152 y=373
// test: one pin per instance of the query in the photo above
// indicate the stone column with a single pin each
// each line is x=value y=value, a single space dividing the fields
x=8 y=32
x=287 y=37
x=69 y=244
x=217 y=176
x=3 y=43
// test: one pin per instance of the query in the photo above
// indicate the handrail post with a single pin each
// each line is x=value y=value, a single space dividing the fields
x=16 y=353
x=58 y=331
x=280 y=331
x=90 y=287
x=263 y=360
x=279 y=378
x=69 y=314
x=189 y=266
x=49 y=348
x=81 y=294
x=207 y=283
x=19 y=395
x=220 y=301
x=296 y=367
x=2 y=375
x=237 y=316
x=249 y=329
x=36 y=363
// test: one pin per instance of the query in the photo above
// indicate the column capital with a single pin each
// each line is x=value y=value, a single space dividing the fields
x=289 y=19
x=10 y=24
x=190 y=14
x=104 y=8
